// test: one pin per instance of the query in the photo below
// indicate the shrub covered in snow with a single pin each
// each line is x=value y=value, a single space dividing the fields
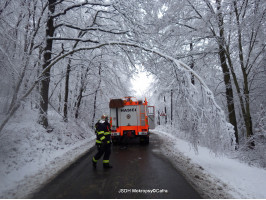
x=255 y=154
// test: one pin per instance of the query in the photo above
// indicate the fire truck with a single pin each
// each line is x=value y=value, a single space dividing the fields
x=131 y=118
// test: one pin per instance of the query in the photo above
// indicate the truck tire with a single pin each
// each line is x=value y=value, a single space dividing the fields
x=144 y=140
x=147 y=140
x=115 y=141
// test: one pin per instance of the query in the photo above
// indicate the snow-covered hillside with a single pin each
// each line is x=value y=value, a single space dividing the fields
x=29 y=156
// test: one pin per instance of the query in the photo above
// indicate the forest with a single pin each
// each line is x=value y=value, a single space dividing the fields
x=206 y=57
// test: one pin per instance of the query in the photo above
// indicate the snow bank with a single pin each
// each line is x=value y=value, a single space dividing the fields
x=224 y=177
x=30 y=156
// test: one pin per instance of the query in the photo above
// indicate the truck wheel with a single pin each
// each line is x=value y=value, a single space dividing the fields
x=144 y=140
x=147 y=140
x=115 y=141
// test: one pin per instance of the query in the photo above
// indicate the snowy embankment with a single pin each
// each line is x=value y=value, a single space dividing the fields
x=216 y=177
x=29 y=156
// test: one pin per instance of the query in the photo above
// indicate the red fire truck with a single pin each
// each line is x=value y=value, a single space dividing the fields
x=131 y=118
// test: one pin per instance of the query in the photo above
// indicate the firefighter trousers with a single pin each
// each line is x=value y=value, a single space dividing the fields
x=105 y=150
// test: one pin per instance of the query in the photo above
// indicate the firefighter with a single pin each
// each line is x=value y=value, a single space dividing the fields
x=103 y=142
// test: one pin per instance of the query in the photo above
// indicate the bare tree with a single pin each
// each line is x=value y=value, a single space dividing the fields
x=225 y=68
x=44 y=90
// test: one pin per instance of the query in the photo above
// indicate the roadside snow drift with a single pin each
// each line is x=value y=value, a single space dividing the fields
x=214 y=177
x=30 y=156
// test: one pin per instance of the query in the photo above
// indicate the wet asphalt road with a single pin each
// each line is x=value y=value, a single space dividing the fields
x=138 y=172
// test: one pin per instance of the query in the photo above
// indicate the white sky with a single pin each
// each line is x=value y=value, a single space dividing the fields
x=141 y=82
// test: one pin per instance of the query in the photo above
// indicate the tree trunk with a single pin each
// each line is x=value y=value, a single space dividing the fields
x=78 y=102
x=81 y=34
x=158 y=122
x=165 y=110
x=192 y=65
x=25 y=63
x=94 y=109
x=95 y=98
x=18 y=85
x=44 y=89
x=67 y=90
x=171 y=107
x=247 y=116
x=229 y=92
x=226 y=72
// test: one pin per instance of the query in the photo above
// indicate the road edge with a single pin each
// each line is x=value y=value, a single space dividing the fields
x=206 y=185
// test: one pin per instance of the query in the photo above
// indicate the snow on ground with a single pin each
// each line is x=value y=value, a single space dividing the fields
x=213 y=177
x=30 y=156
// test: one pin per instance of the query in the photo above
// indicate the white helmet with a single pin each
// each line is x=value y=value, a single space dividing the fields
x=104 y=117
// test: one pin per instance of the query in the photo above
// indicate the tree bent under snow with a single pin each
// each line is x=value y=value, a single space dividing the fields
x=207 y=120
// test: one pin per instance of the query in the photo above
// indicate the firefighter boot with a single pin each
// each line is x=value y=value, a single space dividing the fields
x=107 y=166
x=94 y=163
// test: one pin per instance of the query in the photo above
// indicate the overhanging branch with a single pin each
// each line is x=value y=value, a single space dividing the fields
x=112 y=43
x=86 y=2
x=92 y=29
x=73 y=39
x=161 y=54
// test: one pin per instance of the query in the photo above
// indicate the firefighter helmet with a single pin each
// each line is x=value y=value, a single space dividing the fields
x=104 y=117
